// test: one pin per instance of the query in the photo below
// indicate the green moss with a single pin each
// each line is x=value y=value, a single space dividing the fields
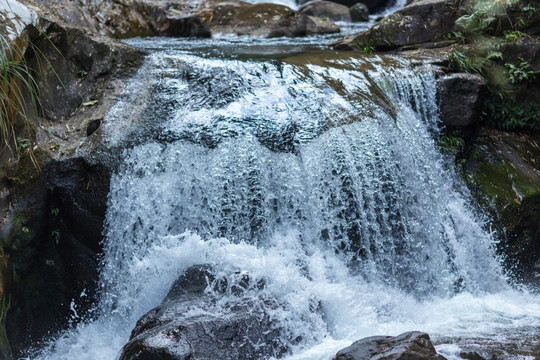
x=502 y=183
x=496 y=182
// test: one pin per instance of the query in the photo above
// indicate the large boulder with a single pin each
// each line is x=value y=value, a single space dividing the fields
x=269 y=20
x=326 y=9
x=373 y=5
x=359 y=12
x=170 y=331
x=411 y=345
x=501 y=170
x=182 y=18
x=460 y=98
x=420 y=22
x=55 y=224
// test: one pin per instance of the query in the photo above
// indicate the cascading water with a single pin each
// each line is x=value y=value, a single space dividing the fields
x=318 y=175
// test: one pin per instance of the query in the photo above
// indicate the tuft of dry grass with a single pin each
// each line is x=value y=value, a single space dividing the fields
x=19 y=91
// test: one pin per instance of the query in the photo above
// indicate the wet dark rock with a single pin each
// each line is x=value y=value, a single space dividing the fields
x=126 y=18
x=372 y=5
x=166 y=332
x=54 y=241
x=460 y=98
x=420 y=22
x=269 y=20
x=53 y=217
x=359 y=12
x=182 y=18
x=411 y=345
x=502 y=172
x=523 y=246
x=375 y=5
x=471 y=356
x=326 y=9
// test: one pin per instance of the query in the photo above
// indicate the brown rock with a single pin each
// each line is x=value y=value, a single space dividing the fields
x=269 y=20
x=420 y=22
x=359 y=12
x=326 y=9
x=410 y=345
x=372 y=5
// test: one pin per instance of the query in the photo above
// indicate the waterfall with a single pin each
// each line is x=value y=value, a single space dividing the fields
x=321 y=178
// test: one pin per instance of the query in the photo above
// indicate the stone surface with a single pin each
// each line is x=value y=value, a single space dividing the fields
x=326 y=9
x=55 y=231
x=411 y=345
x=53 y=202
x=373 y=5
x=129 y=18
x=503 y=173
x=268 y=20
x=359 y=12
x=169 y=332
x=420 y=22
x=460 y=98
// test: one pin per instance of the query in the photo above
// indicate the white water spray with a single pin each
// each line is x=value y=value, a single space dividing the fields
x=322 y=180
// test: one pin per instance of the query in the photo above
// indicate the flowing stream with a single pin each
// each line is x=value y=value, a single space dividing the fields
x=316 y=172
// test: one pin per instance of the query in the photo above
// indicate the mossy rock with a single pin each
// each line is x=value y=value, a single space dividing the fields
x=503 y=173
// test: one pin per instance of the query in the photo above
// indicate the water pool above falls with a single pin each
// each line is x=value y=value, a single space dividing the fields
x=315 y=175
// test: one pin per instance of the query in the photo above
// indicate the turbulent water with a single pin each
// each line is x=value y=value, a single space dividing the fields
x=317 y=173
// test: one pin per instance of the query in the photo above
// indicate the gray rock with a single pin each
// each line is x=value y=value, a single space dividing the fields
x=359 y=12
x=460 y=97
x=372 y=5
x=326 y=9
x=412 y=345
x=265 y=19
x=182 y=18
x=420 y=22
x=471 y=355
x=63 y=205
x=166 y=332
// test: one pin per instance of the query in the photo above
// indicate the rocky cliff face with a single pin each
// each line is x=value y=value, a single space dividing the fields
x=53 y=201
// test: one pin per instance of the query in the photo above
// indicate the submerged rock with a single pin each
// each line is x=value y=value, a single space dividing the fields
x=184 y=327
x=460 y=98
x=410 y=345
x=326 y=9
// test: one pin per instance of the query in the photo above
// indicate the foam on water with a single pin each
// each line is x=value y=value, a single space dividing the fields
x=322 y=179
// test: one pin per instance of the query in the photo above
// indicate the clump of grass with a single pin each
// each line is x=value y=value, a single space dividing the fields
x=19 y=92
x=366 y=46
